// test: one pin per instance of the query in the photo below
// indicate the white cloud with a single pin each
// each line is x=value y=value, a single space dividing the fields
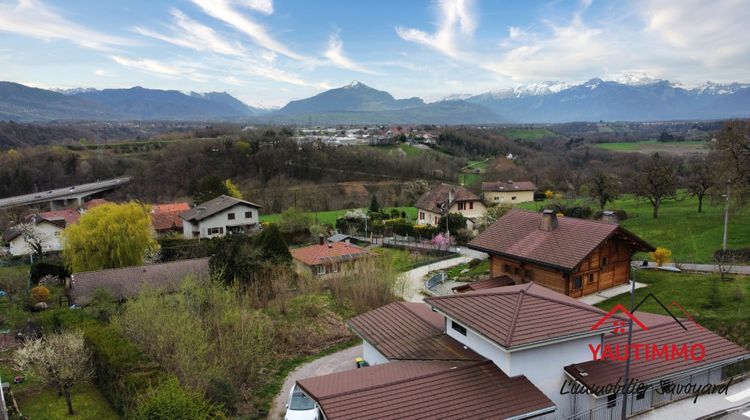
x=188 y=33
x=335 y=54
x=151 y=66
x=223 y=10
x=456 y=19
x=33 y=19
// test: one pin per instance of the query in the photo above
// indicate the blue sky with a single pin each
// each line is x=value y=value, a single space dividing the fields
x=268 y=52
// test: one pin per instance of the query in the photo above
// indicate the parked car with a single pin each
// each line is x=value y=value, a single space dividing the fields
x=300 y=406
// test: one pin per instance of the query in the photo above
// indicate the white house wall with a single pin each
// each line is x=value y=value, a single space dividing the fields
x=51 y=240
x=372 y=355
x=220 y=220
x=480 y=345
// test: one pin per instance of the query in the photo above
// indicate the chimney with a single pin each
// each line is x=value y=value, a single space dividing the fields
x=549 y=221
x=608 y=216
x=321 y=240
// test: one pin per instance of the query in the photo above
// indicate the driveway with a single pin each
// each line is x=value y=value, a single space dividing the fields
x=336 y=362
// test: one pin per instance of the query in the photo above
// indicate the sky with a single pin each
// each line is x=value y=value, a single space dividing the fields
x=268 y=52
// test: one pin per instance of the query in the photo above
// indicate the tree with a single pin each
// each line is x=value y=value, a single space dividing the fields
x=494 y=213
x=456 y=222
x=33 y=237
x=700 y=178
x=59 y=360
x=657 y=181
x=603 y=187
x=374 y=205
x=294 y=220
x=14 y=282
x=231 y=189
x=210 y=187
x=733 y=145
x=660 y=256
x=109 y=236
x=272 y=246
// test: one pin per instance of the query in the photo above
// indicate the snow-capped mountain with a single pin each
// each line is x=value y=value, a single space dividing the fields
x=531 y=89
x=711 y=88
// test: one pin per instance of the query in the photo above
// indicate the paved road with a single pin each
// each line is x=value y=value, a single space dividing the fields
x=336 y=362
x=712 y=268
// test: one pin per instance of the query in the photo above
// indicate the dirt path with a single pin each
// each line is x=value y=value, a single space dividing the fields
x=336 y=362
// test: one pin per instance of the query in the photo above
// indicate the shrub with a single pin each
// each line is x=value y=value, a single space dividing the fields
x=221 y=392
x=170 y=401
x=549 y=194
x=660 y=256
x=741 y=255
x=40 y=293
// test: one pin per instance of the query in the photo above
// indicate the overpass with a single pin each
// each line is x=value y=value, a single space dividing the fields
x=63 y=197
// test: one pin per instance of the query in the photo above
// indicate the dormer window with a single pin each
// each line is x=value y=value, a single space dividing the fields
x=458 y=328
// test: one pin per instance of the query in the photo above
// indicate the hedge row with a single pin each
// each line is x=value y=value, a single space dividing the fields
x=134 y=385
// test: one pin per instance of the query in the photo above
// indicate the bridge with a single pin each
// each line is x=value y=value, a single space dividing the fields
x=63 y=197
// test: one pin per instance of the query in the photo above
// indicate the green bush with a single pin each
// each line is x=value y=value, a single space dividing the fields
x=170 y=401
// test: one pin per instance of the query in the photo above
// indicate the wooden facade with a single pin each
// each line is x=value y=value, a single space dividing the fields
x=606 y=266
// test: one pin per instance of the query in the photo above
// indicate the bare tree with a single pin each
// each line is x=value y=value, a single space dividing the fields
x=34 y=238
x=700 y=178
x=13 y=282
x=733 y=146
x=656 y=181
x=60 y=360
x=603 y=187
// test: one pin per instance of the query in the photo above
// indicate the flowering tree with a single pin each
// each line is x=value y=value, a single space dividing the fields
x=441 y=240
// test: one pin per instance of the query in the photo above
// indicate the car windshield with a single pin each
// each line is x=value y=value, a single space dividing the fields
x=300 y=401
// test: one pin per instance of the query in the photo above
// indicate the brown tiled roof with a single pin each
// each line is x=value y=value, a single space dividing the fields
x=126 y=282
x=520 y=315
x=70 y=216
x=167 y=216
x=57 y=218
x=426 y=390
x=211 y=207
x=517 y=235
x=501 y=186
x=94 y=202
x=490 y=283
x=433 y=200
x=409 y=331
x=661 y=330
x=328 y=253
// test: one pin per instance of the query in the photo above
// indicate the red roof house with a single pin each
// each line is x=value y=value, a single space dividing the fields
x=326 y=257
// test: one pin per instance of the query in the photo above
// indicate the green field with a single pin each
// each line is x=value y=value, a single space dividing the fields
x=469 y=175
x=329 y=217
x=88 y=403
x=528 y=133
x=650 y=146
x=691 y=236
x=692 y=292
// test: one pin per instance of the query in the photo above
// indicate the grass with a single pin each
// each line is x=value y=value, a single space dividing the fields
x=691 y=236
x=88 y=403
x=477 y=270
x=528 y=133
x=411 y=150
x=692 y=292
x=329 y=217
x=402 y=260
x=652 y=146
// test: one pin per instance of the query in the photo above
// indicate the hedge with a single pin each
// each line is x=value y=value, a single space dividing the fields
x=45 y=268
x=131 y=382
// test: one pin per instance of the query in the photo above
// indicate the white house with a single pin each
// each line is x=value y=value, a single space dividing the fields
x=221 y=216
x=46 y=229
x=431 y=206
x=543 y=340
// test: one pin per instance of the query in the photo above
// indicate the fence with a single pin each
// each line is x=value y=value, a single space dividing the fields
x=656 y=396
x=435 y=280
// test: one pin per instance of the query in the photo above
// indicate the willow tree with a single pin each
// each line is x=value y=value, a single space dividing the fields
x=109 y=236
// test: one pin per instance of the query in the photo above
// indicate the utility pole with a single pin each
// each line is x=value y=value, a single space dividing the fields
x=630 y=341
x=447 y=218
x=726 y=220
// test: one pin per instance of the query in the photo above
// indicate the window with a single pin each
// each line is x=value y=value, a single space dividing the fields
x=611 y=400
x=641 y=394
x=462 y=206
x=471 y=205
x=497 y=198
x=513 y=198
x=506 y=268
x=248 y=215
x=421 y=215
x=527 y=275
x=516 y=271
x=215 y=231
x=320 y=270
x=591 y=279
x=458 y=328
x=577 y=282
x=604 y=261
x=230 y=216
x=336 y=268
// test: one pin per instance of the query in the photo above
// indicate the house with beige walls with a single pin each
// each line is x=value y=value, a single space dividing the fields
x=508 y=192
x=431 y=206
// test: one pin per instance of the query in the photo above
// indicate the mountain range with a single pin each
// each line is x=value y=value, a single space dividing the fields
x=630 y=98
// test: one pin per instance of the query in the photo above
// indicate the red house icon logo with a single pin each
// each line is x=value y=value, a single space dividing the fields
x=619 y=325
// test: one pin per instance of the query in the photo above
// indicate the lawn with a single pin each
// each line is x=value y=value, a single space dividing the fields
x=692 y=292
x=528 y=133
x=402 y=260
x=329 y=217
x=88 y=403
x=650 y=146
x=691 y=236
x=478 y=270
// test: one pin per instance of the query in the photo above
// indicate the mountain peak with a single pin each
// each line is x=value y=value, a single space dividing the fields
x=355 y=84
